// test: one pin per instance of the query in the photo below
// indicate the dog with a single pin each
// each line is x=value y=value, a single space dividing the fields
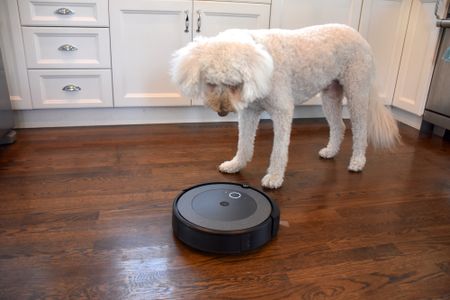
x=250 y=71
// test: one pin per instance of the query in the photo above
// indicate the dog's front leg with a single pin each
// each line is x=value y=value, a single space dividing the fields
x=282 y=122
x=248 y=123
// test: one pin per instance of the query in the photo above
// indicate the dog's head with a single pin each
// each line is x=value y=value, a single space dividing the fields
x=226 y=72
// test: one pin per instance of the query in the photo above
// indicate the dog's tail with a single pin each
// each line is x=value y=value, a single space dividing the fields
x=382 y=127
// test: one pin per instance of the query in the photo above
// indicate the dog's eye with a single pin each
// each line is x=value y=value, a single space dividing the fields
x=211 y=85
x=234 y=88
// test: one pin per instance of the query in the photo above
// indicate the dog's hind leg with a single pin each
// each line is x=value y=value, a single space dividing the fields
x=332 y=108
x=248 y=124
x=357 y=90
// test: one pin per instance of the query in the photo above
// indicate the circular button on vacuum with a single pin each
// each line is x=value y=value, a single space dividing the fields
x=224 y=218
x=234 y=195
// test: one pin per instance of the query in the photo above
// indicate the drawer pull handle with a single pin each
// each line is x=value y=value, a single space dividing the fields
x=199 y=21
x=71 y=88
x=67 y=47
x=64 y=11
x=186 y=21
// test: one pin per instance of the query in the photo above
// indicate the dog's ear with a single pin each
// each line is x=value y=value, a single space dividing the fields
x=257 y=75
x=185 y=69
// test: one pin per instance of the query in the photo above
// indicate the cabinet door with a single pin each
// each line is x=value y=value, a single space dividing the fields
x=383 y=24
x=11 y=44
x=417 y=61
x=210 y=18
x=294 y=14
x=144 y=34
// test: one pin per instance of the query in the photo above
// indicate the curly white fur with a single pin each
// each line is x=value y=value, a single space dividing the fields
x=250 y=71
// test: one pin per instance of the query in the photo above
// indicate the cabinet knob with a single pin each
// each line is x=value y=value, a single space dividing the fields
x=64 y=11
x=67 y=47
x=71 y=88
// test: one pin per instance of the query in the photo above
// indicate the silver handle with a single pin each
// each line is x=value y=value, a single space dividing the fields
x=199 y=20
x=67 y=47
x=64 y=11
x=71 y=88
x=443 y=23
x=186 y=22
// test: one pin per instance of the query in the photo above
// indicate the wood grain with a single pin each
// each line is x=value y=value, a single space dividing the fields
x=85 y=213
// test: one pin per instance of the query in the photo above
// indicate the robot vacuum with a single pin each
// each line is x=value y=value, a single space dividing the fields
x=224 y=218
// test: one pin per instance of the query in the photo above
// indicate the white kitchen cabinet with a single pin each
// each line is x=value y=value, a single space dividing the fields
x=417 y=61
x=384 y=24
x=11 y=43
x=294 y=14
x=144 y=35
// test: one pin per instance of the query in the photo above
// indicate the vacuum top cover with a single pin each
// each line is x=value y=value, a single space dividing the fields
x=224 y=207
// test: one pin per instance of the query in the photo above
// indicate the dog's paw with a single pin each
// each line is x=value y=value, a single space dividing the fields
x=357 y=164
x=231 y=166
x=327 y=153
x=272 y=181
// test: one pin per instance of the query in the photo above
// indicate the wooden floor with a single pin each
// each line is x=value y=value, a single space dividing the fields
x=85 y=213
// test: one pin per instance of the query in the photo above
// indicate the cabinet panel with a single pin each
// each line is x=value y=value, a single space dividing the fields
x=418 y=58
x=67 y=47
x=11 y=43
x=144 y=34
x=383 y=24
x=293 y=14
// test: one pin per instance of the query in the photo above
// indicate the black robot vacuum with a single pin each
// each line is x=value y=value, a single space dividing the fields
x=224 y=218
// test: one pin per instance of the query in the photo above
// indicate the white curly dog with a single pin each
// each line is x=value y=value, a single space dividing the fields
x=250 y=71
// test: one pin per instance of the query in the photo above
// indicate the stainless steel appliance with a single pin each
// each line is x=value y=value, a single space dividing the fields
x=437 y=108
x=7 y=135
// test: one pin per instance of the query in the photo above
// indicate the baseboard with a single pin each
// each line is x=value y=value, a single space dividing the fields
x=159 y=115
x=127 y=116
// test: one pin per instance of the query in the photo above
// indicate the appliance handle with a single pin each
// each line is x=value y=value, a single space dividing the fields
x=445 y=23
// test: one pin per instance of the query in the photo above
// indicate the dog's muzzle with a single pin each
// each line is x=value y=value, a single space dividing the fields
x=222 y=113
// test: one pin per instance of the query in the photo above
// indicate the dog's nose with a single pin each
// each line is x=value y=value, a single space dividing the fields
x=222 y=113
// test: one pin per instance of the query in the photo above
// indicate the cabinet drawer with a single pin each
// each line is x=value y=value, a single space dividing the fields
x=66 y=47
x=70 y=88
x=64 y=12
